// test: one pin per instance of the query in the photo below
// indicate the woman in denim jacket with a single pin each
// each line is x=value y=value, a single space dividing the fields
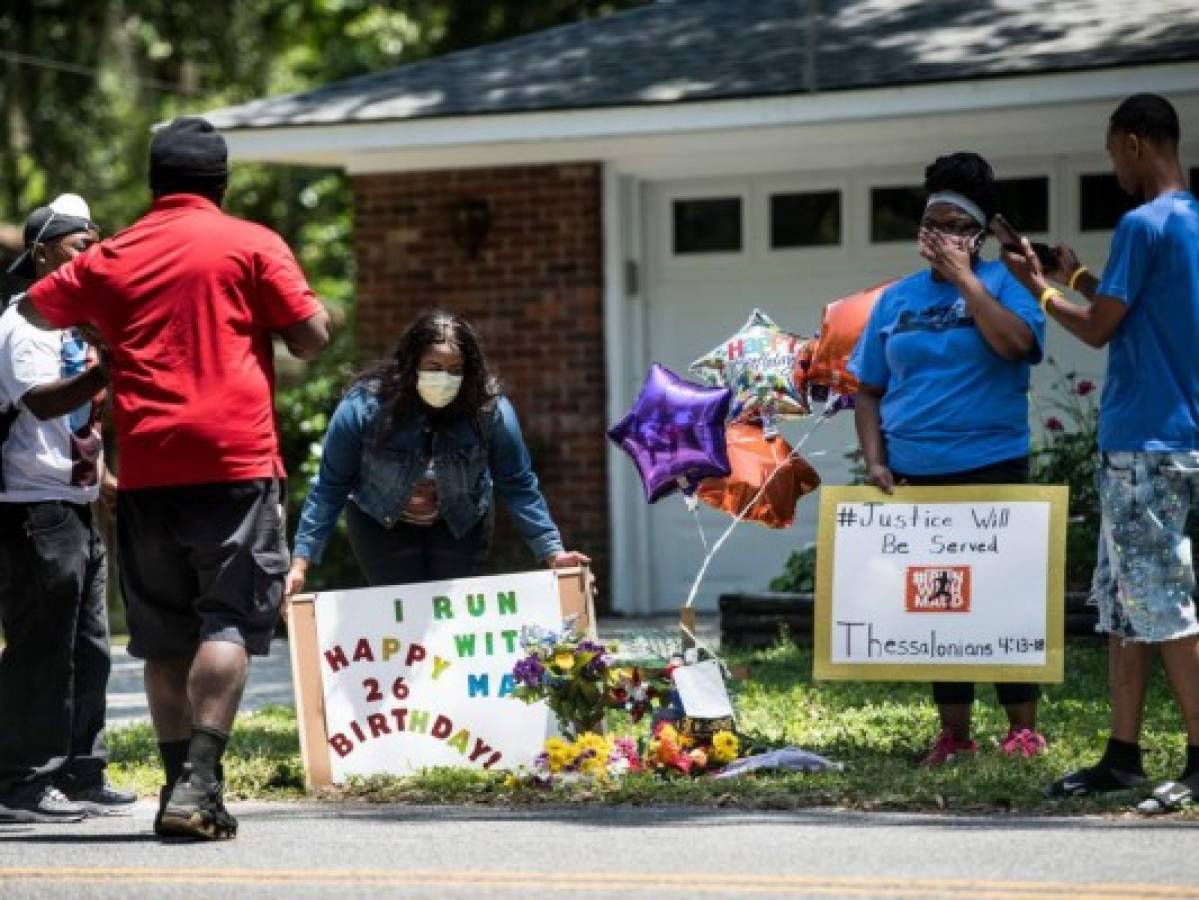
x=417 y=446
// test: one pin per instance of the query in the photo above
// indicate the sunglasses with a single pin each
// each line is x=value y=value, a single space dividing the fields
x=959 y=227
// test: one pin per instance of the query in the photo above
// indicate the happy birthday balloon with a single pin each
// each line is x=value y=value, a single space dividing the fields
x=754 y=462
x=758 y=364
x=674 y=433
x=842 y=325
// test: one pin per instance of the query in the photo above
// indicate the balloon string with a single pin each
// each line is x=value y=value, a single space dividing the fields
x=700 y=645
x=703 y=569
x=703 y=538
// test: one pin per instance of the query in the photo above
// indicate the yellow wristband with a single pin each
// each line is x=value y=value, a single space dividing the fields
x=1078 y=273
x=1046 y=295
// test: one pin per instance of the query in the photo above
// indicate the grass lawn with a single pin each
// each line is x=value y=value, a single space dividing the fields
x=876 y=730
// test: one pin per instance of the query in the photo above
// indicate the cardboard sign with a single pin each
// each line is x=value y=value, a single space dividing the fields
x=702 y=691
x=392 y=680
x=941 y=583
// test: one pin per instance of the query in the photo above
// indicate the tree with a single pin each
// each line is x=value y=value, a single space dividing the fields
x=85 y=82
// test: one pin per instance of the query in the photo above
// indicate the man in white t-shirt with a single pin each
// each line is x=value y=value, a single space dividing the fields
x=53 y=568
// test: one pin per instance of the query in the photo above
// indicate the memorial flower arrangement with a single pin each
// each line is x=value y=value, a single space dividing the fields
x=638 y=690
x=567 y=670
x=592 y=755
x=671 y=752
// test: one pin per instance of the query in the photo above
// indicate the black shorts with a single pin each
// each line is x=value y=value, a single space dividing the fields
x=202 y=562
x=1008 y=471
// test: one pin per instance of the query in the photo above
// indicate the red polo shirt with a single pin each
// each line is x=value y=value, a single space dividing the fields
x=186 y=299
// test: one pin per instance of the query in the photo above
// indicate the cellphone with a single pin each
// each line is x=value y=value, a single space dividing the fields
x=1009 y=237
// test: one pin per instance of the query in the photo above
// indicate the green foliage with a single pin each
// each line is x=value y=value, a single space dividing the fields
x=1066 y=452
x=89 y=79
x=305 y=405
x=799 y=574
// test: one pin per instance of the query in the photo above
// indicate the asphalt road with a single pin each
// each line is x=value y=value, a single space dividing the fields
x=269 y=684
x=355 y=850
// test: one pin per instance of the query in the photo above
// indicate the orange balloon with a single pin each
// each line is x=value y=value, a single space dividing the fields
x=754 y=459
x=840 y=328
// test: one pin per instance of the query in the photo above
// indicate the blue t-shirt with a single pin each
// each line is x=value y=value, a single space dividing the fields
x=1151 y=393
x=951 y=403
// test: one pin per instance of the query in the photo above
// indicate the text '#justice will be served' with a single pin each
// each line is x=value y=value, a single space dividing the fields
x=927 y=530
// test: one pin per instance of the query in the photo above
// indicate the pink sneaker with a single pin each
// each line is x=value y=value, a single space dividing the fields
x=947 y=748
x=1022 y=742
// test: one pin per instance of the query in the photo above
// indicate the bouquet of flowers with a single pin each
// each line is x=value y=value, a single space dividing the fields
x=669 y=752
x=568 y=671
x=637 y=690
x=591 y=754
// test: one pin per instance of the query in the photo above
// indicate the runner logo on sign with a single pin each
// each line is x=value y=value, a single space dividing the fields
x=937 y=589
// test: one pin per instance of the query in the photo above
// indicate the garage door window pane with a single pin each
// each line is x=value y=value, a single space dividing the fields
x=1101 y=202
x=805 y=220
x=895 y=213
x=1025 y=203
x=707 y=225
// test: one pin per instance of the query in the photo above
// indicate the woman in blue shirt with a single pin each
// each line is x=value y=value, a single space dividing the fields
x=944 y=369
x=418 y=446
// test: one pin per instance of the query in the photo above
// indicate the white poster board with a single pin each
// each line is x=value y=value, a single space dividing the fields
x=941 y=583
x=416 y=676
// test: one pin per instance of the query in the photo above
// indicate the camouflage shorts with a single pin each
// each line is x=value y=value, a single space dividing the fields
x=1145 y=573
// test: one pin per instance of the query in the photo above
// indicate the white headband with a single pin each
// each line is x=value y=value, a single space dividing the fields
x=965 y=204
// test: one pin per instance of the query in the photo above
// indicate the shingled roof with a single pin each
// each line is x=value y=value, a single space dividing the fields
x=687 y=50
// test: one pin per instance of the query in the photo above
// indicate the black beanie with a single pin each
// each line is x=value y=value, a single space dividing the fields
x=187 y=151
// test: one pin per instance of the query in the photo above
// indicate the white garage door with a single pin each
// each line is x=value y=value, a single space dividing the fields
x=788 y=244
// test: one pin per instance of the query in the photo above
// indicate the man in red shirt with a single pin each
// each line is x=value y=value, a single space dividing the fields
x=187 y=300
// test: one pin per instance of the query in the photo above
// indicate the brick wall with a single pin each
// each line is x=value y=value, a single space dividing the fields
x=534 y=292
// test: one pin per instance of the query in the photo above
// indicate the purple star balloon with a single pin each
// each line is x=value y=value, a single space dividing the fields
x=675 y=433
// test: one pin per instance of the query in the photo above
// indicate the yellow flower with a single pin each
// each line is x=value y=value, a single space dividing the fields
x=556 y=743
x=596 y=743
x=564 y=660
x=559 y=759
x=594 y=765
x=725 y=746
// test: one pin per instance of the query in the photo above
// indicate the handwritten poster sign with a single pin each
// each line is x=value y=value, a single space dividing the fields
x=391 y=680
x=941 y=583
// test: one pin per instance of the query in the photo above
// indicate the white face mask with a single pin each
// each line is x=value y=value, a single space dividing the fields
x=438 y=389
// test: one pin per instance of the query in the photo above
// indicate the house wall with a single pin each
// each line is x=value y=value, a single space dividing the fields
x=534 y=292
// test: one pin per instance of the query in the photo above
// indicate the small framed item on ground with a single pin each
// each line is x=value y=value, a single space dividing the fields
x=941 y=584
x=392 y=680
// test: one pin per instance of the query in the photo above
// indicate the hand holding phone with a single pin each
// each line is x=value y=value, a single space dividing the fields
x=1012 y=241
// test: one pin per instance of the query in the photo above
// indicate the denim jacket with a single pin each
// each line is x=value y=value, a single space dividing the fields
x=379 y=478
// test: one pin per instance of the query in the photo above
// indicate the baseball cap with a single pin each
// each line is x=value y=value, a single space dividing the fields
x=68 y=214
